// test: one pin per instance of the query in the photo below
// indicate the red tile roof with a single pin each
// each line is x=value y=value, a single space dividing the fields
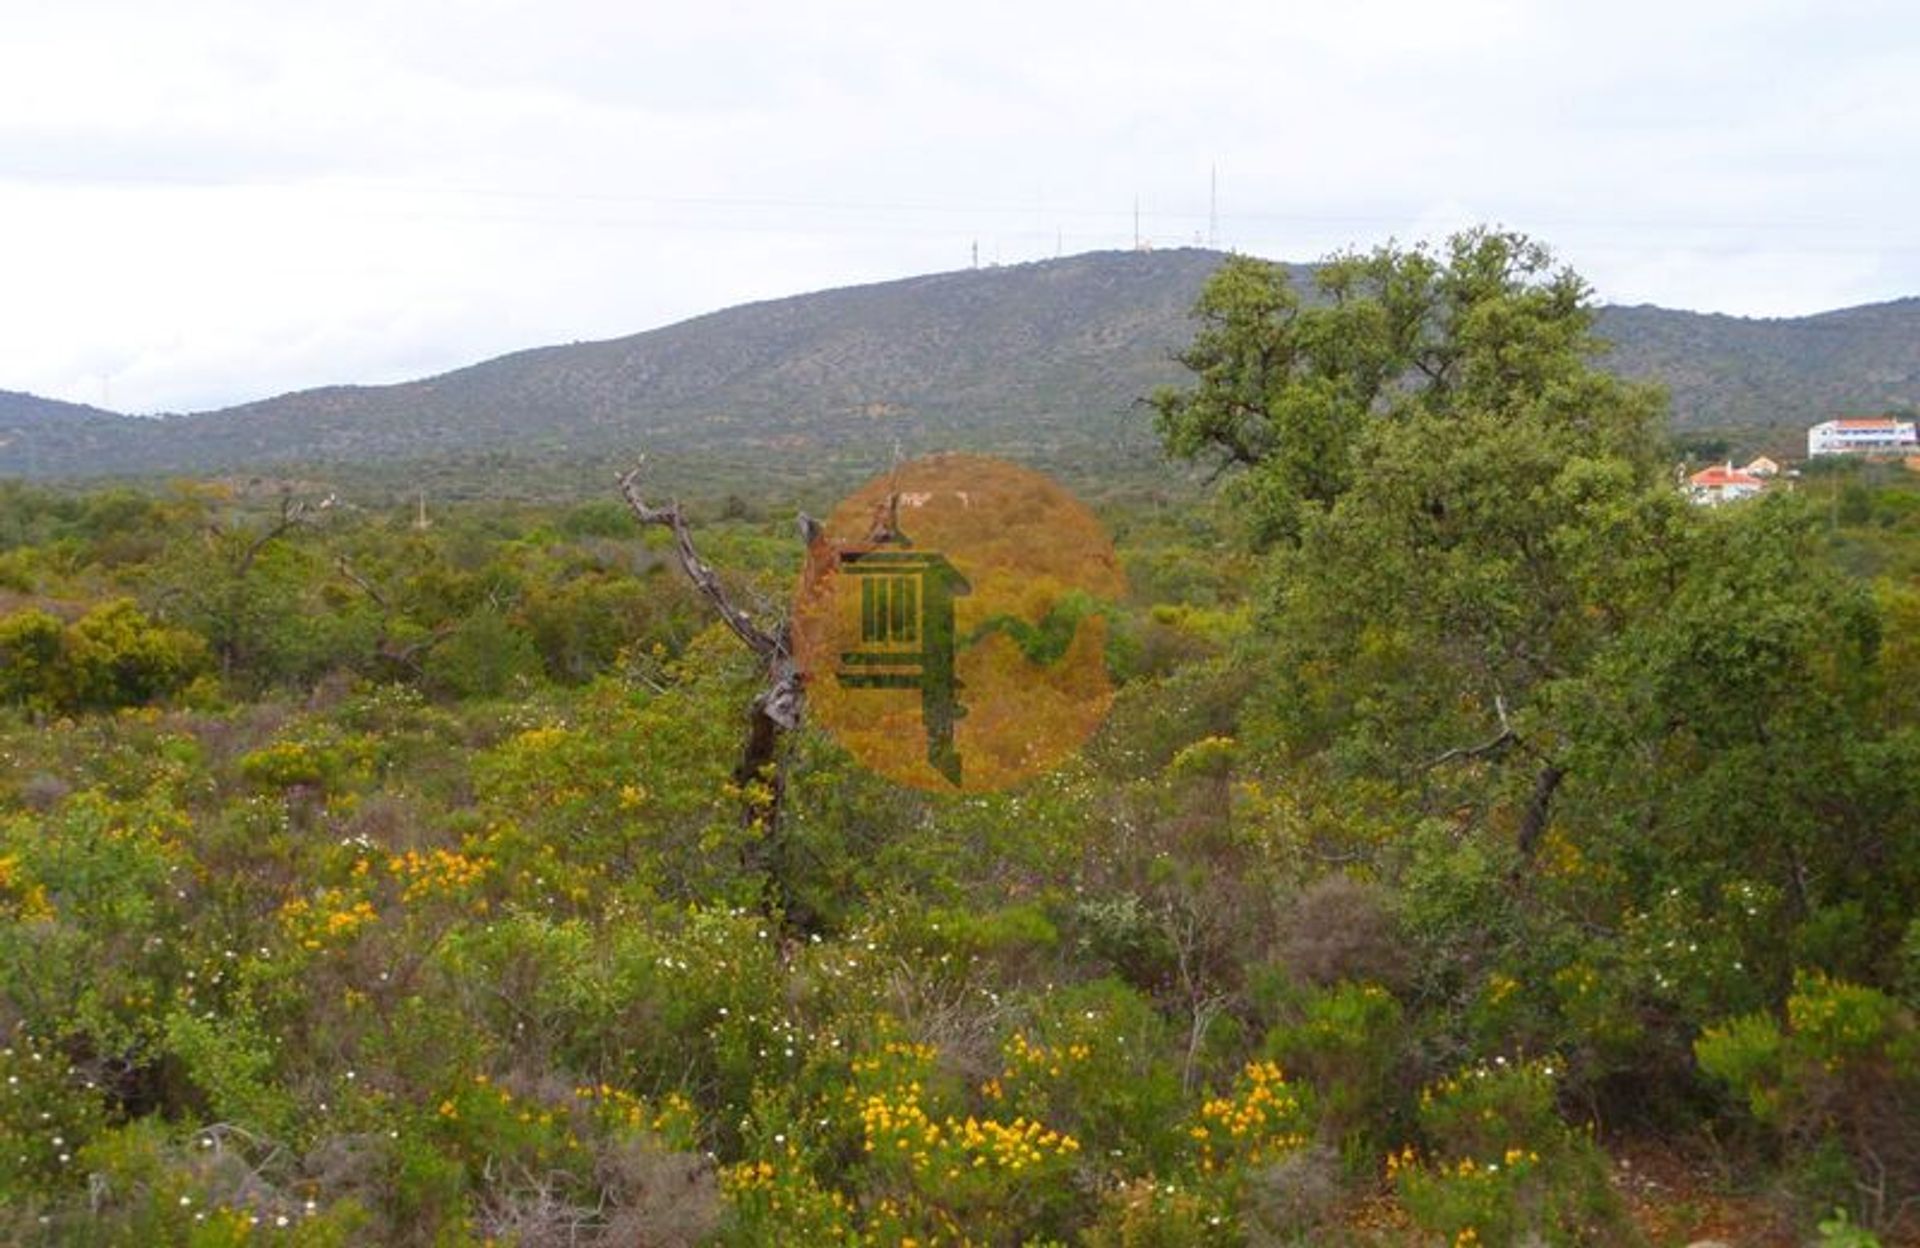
x=1720 y=475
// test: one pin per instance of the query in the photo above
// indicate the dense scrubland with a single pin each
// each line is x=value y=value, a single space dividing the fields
x=1472 y=813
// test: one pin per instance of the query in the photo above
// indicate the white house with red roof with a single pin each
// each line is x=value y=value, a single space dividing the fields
x=1862 y=435
x=1722 y=483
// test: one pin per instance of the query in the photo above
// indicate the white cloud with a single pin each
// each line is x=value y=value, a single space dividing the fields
x=208 y=202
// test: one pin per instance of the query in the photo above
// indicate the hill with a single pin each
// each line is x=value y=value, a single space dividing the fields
x=1042 y=360
x=45 y=436
x=1727 y=372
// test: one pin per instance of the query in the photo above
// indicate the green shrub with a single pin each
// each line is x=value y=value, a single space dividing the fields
x=116 y=656
x=150 y=1183
x=1347 y=1044
x=1839 y=1082
x=30 y=653
x=485 y=656
x=1502 y=1166
x=112 y=656
x=1094 y=1060
x=1258 y=1120
x=1907 y=966
x=47 y=1113
x=1151 y=1213
x=286 y=765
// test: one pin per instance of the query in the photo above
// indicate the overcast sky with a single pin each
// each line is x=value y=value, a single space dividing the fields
x=205 y=202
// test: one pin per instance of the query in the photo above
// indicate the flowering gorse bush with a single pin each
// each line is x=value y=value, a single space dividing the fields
x=1840 y=1080
x=392 y=887
x=1254 y=1122
x=1502 y=1166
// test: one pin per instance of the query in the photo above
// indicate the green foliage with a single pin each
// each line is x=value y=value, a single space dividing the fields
x=1839 y=1082
x=1266 y=400
x=1504 y=1168
x=1151 y=1214
x=31 y=645
x=149 y=1186
x=1839 y=1231
x=91 y=885
x=1094 y=1060
x=233 y=1066
x=286 y=765
x=1907 y=973
x=483 y=657
x=1289 y=392
x=112 y=656
x=1347 y=1045
x=391 y=879
x=47 y=1114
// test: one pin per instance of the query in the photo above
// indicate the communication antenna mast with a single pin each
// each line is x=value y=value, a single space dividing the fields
x=1213 y=207
x=1136 y=223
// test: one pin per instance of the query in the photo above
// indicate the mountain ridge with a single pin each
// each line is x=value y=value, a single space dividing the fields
x=1045 y=354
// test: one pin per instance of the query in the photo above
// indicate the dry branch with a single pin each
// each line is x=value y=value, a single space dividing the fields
x=771 y=646
x=1499 y=741
x=776 y=709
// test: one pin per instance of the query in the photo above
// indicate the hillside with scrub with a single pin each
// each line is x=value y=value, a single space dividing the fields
x=1044 y=362
x=1485 y=845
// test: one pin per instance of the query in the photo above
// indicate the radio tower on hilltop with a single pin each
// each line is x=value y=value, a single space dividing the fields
x=1213 y=208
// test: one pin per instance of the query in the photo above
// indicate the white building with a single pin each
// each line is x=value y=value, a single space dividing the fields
x=1722 y=484
x=1872 y=435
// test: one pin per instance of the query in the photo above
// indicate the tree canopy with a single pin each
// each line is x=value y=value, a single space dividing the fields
x=1488 y=615
x=1287 y=388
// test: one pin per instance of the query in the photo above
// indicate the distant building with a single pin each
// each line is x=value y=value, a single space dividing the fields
x=1762 y=467
x=1871 y=435
x=1722 y=483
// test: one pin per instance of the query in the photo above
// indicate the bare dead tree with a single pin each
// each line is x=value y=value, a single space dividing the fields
x=775 y=711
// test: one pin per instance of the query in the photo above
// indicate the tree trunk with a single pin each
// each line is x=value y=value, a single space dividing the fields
x=1534 y=823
